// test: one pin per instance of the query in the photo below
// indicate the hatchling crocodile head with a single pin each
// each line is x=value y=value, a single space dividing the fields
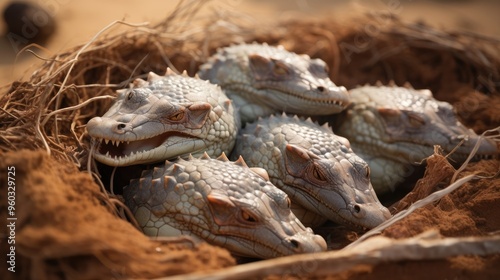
x=404 y=124
x=222 y=202
x=273 y=77
x=162 y=118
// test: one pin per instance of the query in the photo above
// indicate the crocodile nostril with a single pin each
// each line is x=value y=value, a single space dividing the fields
x=358 y=211
x=120 y=128
x=294 y=243
x=321 y=88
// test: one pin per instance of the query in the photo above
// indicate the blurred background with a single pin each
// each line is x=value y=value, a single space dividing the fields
x=76 y=22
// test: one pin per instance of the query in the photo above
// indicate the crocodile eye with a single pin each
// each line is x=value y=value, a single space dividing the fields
x=177 y=116
x=288 y=202
x=367 y=170
x=280 y=69
x=130 y=95
x=248 y=217
x=416 y=120
x=318 y=174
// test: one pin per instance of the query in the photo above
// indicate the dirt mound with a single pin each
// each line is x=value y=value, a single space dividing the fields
x=471 y=210
x=69 y=227
x=66 y=229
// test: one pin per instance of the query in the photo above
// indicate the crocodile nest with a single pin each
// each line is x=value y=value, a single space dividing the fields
x=69 y=225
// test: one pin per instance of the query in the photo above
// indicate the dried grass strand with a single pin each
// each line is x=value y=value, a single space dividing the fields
x=474 y=151
x=75 y=107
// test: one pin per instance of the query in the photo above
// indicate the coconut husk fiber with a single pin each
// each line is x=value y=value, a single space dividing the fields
x=70 y=225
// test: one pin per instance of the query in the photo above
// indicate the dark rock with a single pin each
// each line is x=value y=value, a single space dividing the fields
x=27 y=23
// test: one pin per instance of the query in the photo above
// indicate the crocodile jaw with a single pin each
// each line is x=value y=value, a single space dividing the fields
x=284 y=244
x=136 y=144
x=288 y=100
x=124 y=153
x=347 y=206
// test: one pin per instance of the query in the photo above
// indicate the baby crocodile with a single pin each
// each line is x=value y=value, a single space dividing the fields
x=316 y=168
x=163 y=118
x=223 y=202
x=393 y=128
x=263 y=80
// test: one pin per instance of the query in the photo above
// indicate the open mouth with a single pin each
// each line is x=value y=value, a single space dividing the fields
x=113 y=148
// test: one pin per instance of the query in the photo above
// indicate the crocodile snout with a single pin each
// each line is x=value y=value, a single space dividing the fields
x=305 y=242
x=103 y=127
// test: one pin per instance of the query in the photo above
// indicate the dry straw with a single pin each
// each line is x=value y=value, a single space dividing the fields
x=50 y=109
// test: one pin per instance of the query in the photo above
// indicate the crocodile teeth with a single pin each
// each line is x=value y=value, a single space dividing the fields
x=107 y=153
x=106 y=141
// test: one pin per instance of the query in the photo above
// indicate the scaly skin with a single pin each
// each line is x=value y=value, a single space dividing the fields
x=316 y=168
x=163 y=118
x=225 y=203
x=393 y=128
x=263 y=80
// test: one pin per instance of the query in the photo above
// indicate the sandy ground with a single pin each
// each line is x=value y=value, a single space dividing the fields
x=79 y=21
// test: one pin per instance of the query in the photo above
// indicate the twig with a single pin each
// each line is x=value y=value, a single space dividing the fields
x=419 y=204
x=374 y=251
